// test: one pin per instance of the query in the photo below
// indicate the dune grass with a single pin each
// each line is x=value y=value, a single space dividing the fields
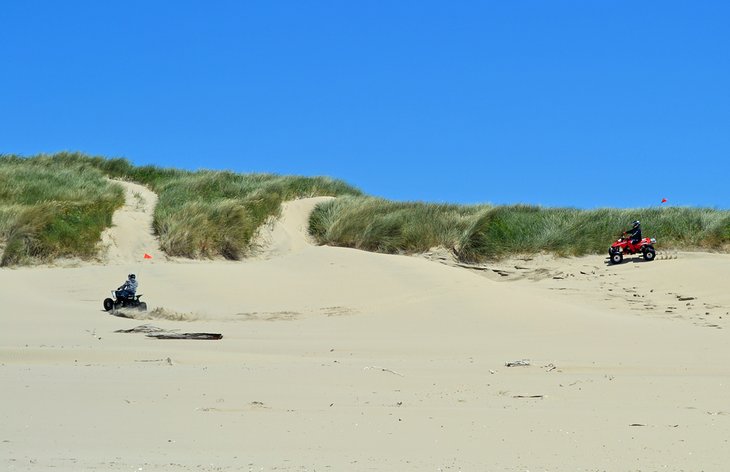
x=479 y=233
x=199 y=214
x=48 y=212
x=56 y=205
x=374 y=224
x=207 y=214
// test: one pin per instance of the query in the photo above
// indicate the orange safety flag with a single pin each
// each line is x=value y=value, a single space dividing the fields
x=147 y=256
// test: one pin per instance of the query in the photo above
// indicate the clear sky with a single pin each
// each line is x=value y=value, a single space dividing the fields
x=584 y=103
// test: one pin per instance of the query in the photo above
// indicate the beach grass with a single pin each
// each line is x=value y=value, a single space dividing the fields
x=208 y=214
x=48 y=212
x=200 y=214
x=484 y=232
x=374 y=224
x=57 y=205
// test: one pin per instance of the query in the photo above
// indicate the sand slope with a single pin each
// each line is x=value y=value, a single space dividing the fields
x=131 y=235
x=337 y=359
x=289 y=233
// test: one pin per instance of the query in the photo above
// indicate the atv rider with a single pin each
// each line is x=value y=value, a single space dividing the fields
x=128 y=289
x=635 y=232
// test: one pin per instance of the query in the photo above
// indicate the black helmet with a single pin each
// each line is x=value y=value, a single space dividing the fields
x=132 y=276
x=636 y=223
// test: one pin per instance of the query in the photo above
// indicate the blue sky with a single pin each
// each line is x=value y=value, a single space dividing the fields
x=557 y=103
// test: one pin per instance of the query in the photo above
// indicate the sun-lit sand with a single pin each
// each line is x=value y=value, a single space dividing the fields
x=342 y=360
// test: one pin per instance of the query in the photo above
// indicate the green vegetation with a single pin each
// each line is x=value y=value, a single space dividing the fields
x=373 y=224
x=199 y=214
x=478 y=233
x=206 y=213
x=57 y=206
x=51 y=212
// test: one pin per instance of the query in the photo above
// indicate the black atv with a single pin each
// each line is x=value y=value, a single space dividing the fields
x=114 y=303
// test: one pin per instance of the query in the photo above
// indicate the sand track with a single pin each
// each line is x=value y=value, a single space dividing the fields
x=289 y=232
x=131 y=235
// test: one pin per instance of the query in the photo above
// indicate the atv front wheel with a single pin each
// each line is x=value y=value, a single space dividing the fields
x=108 y=304
x=649 y=254
x=617 y=258
x=142 y=306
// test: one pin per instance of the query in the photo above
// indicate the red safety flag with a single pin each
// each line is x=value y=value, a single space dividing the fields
x=147 y=256
x=664 y=200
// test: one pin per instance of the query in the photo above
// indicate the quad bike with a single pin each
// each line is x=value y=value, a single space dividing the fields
x=114 y=303
x=624 y=246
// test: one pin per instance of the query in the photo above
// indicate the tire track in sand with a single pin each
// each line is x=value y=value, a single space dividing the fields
x=131 y=235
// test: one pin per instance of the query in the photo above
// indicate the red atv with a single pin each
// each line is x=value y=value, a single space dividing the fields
x=624 y=246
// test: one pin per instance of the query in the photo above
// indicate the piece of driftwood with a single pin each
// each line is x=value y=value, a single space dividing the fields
x=141 y=329
x=168 y=360
x=520 y=363
x=204 y=336
x=528 y=396
x=159 y=333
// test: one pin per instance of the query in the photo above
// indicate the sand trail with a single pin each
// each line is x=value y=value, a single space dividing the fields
x=289 y=233
x=131 y=235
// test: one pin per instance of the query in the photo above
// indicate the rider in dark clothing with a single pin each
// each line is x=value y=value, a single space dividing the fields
x=635 y=232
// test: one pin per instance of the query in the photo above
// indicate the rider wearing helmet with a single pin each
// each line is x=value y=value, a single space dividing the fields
x=129 y=288
x=635 y=232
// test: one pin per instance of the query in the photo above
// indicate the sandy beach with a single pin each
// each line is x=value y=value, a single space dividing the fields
x=334 y=359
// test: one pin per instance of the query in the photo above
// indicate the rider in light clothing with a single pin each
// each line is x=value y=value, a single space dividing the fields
x=128 y=289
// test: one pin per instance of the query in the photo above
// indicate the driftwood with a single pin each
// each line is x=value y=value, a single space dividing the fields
x=520 y=363
x=168 y=360
x=159 y=333
x=206 y=336
x=141 y=329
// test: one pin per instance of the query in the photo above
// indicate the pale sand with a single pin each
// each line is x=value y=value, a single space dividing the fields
x=341 y=360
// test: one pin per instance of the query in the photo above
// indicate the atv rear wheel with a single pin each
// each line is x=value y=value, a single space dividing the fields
x=617 y=258
x=142 y=306
x=108 y=304
x=649 y=254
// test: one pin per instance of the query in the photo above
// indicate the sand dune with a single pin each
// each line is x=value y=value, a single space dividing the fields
x=337 y=359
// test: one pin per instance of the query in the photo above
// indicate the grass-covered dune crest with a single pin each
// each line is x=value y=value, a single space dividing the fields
x=47 y=212
x=482 y=232
x=57 y=205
